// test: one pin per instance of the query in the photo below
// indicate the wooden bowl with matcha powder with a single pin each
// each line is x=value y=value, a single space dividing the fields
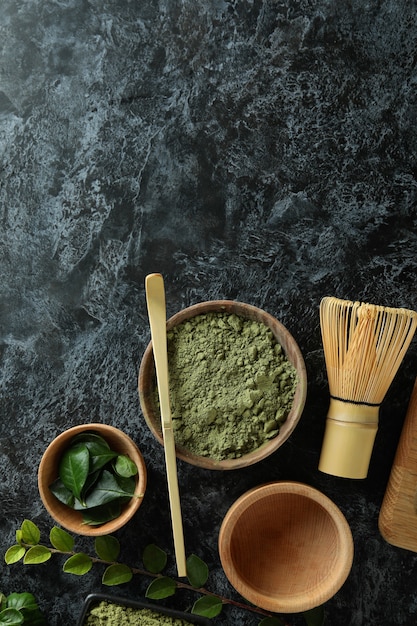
x=237 y=382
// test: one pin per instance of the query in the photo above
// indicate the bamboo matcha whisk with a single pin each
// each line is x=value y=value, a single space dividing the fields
x=364 y=345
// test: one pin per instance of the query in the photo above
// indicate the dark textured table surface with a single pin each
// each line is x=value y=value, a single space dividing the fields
x=263 y=151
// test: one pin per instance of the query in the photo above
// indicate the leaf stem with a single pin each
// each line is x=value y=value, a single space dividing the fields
x=179 y=584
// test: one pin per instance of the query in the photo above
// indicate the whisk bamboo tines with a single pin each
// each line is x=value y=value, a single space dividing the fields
x=364 y=345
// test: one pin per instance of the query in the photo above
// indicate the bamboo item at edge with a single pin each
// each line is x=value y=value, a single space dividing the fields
x=398 y=515
x=364 y=345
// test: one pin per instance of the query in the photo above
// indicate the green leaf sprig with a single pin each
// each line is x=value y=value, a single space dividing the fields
x=94 y=479
x=20 y=608
x=154 y=560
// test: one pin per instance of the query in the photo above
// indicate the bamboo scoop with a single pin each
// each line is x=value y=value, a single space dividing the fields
x=155 y=298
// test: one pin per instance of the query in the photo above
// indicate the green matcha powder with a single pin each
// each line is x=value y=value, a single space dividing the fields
x=231 y=385
x=109 y=614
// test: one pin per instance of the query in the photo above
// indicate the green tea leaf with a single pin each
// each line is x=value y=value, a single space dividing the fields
x=271 y=621
x=207 y=606
x=107 y=548
x=124 y=466
x=160 y=588
x=78 y=564
x=105 y=490
x=30 y=532
x=21 y=601
x=101 y=514
x=154 y=558
x=19 y=536
x=117 y=574
x=92 y=438
x=99 y=449
x=91 y=480
x=100 y=459
x=197 y=571
x=62 y=493
x=33 y=616
x=61 y=540
x=36 y=555
x=14 y=554
x=12 y=617
x=128 y=485
x=314 y=617
x=74 y=468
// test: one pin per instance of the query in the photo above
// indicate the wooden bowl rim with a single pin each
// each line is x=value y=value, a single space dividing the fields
x=313 y=596
x=68 y=518
x=251 y=312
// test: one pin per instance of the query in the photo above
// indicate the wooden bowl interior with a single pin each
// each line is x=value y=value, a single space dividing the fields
x=48 y=472
x=286 y=547
x=147 y=383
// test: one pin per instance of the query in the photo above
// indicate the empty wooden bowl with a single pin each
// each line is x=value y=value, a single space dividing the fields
x=285 y=547
x=147 y=384
x=48 y=472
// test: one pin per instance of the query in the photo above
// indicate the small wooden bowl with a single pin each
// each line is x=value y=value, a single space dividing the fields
x=285 y=547
x=147 y=383
x=48 y=472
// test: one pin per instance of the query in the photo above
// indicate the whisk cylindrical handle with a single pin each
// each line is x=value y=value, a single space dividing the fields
x=348 y=439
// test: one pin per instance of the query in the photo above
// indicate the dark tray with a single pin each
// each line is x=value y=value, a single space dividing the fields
x=95 y=598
